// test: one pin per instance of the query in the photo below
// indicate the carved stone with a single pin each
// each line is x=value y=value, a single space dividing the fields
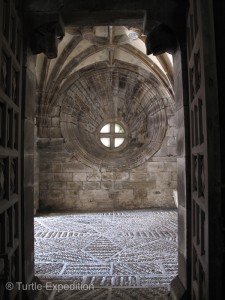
x=161 y=39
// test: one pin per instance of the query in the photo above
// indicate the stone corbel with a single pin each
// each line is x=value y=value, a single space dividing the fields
x=161 y=39
x=45 y=31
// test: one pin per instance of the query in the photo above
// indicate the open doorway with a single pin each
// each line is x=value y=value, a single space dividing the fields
x=200 y=242
x=106 y=141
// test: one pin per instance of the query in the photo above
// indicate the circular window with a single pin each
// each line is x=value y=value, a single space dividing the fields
x=112 y=135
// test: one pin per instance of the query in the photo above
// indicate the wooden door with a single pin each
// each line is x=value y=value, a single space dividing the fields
x=204 y=132
x=10 y=116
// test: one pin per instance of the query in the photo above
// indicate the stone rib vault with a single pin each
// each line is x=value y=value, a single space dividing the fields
x=124 y=255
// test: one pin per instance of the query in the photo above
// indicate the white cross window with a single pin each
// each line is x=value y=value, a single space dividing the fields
x=112 y=135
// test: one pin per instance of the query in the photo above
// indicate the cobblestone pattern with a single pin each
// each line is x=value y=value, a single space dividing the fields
x=122 y=254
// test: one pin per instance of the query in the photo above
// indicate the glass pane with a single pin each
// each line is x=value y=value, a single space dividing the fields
x=119 y=129
x=118 y=141
x=105 y=129
x=105 y=141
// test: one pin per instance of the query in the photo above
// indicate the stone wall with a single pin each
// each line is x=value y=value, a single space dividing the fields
x=78 y=93
x=67 y=184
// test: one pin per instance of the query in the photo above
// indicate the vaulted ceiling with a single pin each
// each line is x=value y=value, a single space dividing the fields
x=102 y=73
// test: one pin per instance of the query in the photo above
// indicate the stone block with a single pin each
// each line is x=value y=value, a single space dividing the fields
x=172 y=121
x=121 y=176
x=55 y=111
x=107 y=176
x=163 y=191
x=94 y=205
x=46 y=177
x=56 y=167
x=58 y=185
x=43 y=195
x=126 y=199
x=55 y=132
x=141 y=167
x=55 y=121
x=172 y=142
x=75 y=167
x=139 y=176
x=72 y=194
x=79 y=176
x=55 y=195
x=170 y=131
x=162 y=201
x=173 y=185
x=140 y=194
x=50 y=167
x=135 y=185
x=172 y=151
x=45 y=156
x=106 y=185
x=122 y=198
x=45 y=167
x=94 y=176
x=162 y=158
x=91 y=185
x=63 y=177
x=43 y=186
x=154 y=166
x=93 y=195
x=170 y=166
x=75 y=185
x=163 y=177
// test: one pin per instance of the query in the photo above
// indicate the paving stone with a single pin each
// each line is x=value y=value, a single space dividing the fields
x=116 y=255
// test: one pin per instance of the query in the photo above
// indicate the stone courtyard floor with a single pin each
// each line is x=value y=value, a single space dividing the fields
x=108 y=255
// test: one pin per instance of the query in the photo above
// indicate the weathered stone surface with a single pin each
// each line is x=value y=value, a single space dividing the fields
x=63 y=177
x=121 y=176
x=149 y=185
x=60 y=185
x=135 y=185
x=75 y=167
x=106 y=185
x=94 y=177
x=74 y=185
x=160 y=200
x=153 y=167
x=94 y=195
x=107 y=176
x=92 y=185
x=55 y=132
x=54 y=195
x=71 y=195
x=79 y=176
x=139 y=176
x=47 y=177
x=43 y=185
x=124 y=195
x=55 y=121
x=50 y=167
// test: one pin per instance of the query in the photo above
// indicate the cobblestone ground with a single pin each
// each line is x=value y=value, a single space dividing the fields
x=116 y=255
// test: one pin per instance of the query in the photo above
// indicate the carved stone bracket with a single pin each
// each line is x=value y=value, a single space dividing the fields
x=45 y=26
x=45 y=32
x=161 y=39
